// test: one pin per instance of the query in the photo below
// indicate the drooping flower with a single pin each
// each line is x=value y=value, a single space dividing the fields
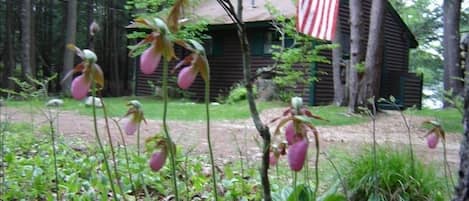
x=90 y=71
x=433 y=136
x=149 y=60
x=159 y=40
x=157 y=160
x=432 y=140
x=297 y=155
x=194 y=63
x=136 y=117
x=80 y=86
x=293 y=134
x=160 y=153
x=297 y=123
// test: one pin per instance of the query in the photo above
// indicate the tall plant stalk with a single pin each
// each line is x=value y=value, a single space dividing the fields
x=111 y=145
x=145 y=190
x=172 y=149
x=126 y=155
x=448 y=174
x=101 y=147
x=54 y=152
x=209 y=140
x=316 y=166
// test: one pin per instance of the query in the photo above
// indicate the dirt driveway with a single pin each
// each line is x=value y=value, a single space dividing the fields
x=230 y=136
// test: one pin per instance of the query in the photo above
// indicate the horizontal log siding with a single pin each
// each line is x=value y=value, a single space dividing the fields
x=412 y=90
x=225 y=69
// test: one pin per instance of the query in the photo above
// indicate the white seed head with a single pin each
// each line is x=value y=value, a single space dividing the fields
x=135 y=103
x=90 y=56
x=296 y=102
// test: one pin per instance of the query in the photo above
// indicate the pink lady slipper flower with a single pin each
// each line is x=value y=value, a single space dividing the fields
x=159 y=40
x=433 y=136
x=159 y=156
x=297 y=154
x=90 y=71
x=297 y=123
x=136 y=117
x=157 y=160
x=194 y=63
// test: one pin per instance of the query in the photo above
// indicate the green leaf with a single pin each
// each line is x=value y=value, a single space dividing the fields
x=301 y=193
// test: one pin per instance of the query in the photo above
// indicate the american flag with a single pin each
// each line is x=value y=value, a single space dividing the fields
x=317 y=18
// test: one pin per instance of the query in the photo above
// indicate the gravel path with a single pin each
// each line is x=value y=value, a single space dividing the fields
x=231 y=136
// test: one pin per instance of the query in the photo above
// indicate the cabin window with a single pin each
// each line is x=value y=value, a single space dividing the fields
x=213 y=46
x=272 y=38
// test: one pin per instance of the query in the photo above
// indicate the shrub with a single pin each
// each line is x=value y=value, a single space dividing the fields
x=238 y=93
x=395 y=179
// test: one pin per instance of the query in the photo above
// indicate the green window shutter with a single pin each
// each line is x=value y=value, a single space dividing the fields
x=217 y=46
x=256 y=42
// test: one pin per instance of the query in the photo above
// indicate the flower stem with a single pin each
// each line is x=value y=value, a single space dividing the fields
x=448 y=173
x=316 y=166
x=207 y=112
x=126 y=154
x=54 y=154
x=113 y=154
x=145 y=190
x=172 y=150
x=101 y=147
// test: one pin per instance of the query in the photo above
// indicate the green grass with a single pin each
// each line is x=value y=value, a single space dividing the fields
x=153 y=108
x=336 y=116
x=190 y=111
x=450 y=118
x=395 y=178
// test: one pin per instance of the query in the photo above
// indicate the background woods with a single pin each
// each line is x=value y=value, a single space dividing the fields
x=34 y=34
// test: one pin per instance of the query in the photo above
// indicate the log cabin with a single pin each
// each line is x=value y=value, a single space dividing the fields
x=224 y=54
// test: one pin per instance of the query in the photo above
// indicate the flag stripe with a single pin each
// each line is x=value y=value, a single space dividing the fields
x=317 y=18
x=311 y=14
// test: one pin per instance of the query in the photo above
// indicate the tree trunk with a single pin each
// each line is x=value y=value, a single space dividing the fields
x=70 y=32
x=462 y=187
x=32 y=47
x=9 y=61
x=355 y=33
x=26 y=38
x=338 y=69
x=374 y=52
x=452 y=69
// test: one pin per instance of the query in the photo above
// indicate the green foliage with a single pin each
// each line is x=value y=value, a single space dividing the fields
x=395 y=180
x=293 y=62
x=360 y=68
x=30 y=89
x=82 y=176
x=238 y=93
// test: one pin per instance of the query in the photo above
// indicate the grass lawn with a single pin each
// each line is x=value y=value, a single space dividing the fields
x=450 y=119
x=190 y=111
